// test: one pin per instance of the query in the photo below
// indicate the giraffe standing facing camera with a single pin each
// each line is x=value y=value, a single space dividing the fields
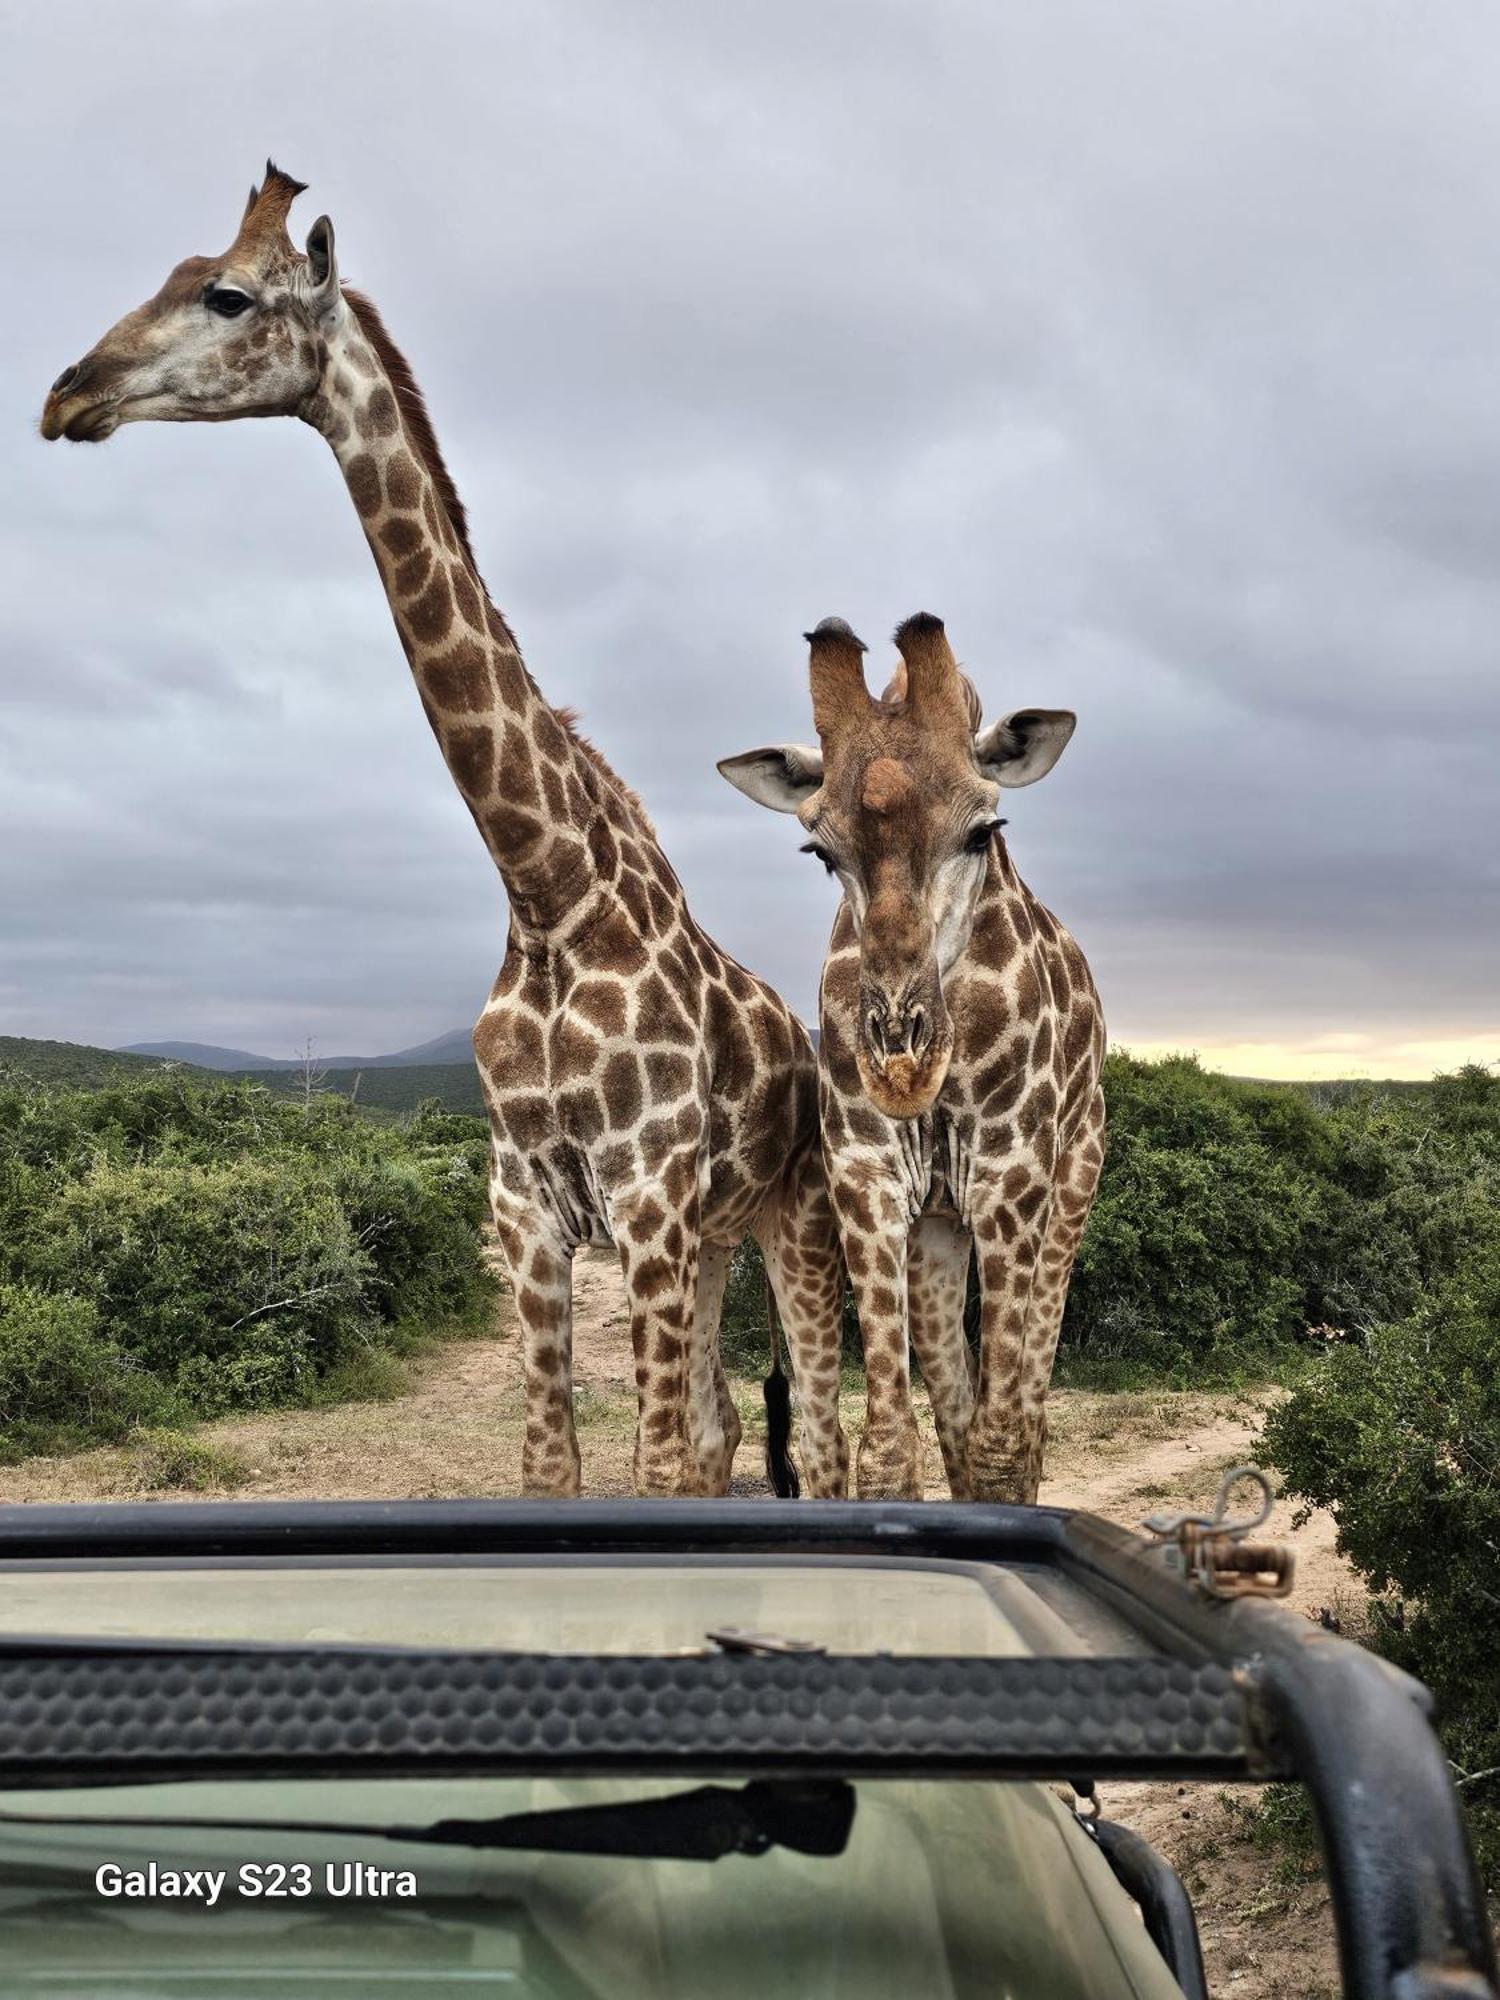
x=960 y=1056
x=643 y=1088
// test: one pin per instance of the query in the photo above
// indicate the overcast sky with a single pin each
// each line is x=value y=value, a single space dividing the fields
x=1156 y=347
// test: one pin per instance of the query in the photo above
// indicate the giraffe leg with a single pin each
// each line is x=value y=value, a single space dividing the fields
x=874 y=1229
x=660 y=1257
x=799 y=1242
x=937 y=1274
x=1073 y=1197
x=1009 y=1231
x=713 y=1420
x=541 y=1278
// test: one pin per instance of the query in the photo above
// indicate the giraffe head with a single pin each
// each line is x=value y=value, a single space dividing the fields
x=238 y=335
x=900 y=803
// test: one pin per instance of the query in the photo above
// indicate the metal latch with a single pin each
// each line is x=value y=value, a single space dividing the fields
x=1212 y=1550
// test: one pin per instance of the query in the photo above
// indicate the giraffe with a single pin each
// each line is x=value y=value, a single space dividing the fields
x=643 y=1089
x=960 y=1055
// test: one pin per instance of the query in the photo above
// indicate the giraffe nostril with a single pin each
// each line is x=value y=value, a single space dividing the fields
x=916 y=1031
x=69 y=379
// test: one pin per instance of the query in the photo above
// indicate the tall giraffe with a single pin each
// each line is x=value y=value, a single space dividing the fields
x=643 y=1088
x=960 y=1056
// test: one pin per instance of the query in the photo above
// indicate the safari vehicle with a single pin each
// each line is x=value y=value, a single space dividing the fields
x=672 y=1749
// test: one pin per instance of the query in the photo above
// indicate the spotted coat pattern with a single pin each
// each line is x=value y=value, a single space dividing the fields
x=643 y=1089
x=960 y=1058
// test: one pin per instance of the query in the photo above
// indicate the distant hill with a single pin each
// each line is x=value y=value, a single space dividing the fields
x=385 y=1087
x=71 y=1064
x=202 y=1055
x=454 y=1047
x=392 y=1087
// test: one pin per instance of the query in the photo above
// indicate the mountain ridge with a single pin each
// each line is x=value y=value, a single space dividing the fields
x=455 y=1046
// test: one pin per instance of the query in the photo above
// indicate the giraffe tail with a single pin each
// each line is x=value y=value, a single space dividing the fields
x=777 y=1390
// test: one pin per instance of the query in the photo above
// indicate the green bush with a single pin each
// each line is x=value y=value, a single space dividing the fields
x=1232 y=1217
x=1401 y=1438
x=223 y=1249
x=62 y=1382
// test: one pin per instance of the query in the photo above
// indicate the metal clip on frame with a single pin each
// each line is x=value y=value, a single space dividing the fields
x=1211 y=1550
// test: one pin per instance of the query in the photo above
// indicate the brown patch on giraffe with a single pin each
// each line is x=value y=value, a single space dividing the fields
x=409 y=576
x=571 y=1049
x=549 y=735
x=362 y=477
x=403 y=486
x=667 y=1075
x=581 y=1115
x=466 y=597
x=646 y=1219
x=659 y=1016
x=400 y=538
x=381 y=415
x=604 y=847
x=470 y=751
x=613 y=945
x=621 y=1087
x=602 y=1004
x=512 y=829
x=553 y=792
x=865 y=1124
x=431 y=615
x=527 y=1119
x=578 y=799
x=461 y=679
x=518 y=768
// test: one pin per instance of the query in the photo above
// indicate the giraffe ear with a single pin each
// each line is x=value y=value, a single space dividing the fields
x=1024 y=745
x=322 y=265
x=782 y=776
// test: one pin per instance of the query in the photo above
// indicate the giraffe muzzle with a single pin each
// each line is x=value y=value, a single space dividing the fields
x=903 y=1051
x=903 y=1031
x=77 y=408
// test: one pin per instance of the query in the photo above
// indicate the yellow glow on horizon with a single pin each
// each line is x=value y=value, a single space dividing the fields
x=1326 y=1058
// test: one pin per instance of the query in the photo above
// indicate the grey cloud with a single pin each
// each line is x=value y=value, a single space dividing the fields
x=1151 y=346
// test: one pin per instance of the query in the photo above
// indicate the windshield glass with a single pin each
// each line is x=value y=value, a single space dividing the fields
x=943 y=1891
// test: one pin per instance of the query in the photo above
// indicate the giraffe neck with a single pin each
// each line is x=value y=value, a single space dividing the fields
x=537 y=794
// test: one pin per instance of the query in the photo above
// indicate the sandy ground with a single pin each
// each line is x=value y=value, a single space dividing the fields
x=458 y=1432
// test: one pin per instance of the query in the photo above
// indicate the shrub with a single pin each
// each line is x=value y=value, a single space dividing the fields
x=62 y=1383
x=223 y=1249
x=240 y=1283
x=165 y=1460
x=1401 y=1438
x=1233 y=1216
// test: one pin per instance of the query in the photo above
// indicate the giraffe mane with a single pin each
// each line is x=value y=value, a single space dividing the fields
x=568 y=717
x=413 y=408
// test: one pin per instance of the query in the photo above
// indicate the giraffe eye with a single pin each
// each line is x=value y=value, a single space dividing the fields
x=979 y=837
x=226 y=301
x=821 y=854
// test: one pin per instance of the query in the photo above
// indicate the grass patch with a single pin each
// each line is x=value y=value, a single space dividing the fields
x=171 y=1461
x=375 y=1375
x=593 y=1410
